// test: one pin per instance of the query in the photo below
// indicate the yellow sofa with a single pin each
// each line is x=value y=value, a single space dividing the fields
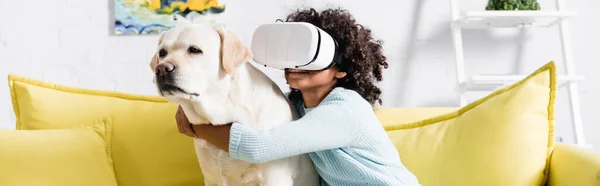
x=74 y=136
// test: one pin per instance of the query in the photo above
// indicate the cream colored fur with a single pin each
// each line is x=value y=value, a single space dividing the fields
x=223 y=87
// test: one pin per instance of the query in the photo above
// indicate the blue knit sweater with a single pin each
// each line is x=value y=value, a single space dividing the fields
x=342 y=136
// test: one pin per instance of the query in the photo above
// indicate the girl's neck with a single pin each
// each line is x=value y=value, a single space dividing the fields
x=312 y=97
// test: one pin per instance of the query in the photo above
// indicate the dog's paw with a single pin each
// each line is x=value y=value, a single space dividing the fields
x=252 y=177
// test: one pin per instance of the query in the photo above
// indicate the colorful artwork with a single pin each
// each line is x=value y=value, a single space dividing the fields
x=137 y=17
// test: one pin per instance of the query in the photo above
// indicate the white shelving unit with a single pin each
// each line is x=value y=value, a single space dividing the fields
x=483 y=19
x=512 y=19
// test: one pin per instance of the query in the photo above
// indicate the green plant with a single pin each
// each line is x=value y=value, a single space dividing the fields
x=512 y=5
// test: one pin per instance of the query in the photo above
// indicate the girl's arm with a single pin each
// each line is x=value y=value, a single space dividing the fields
x=333 y=124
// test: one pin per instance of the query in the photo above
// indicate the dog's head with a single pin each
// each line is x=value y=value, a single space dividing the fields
x=193 y=58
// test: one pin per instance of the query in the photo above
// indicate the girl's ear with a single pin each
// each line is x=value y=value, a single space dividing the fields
x=340 y=74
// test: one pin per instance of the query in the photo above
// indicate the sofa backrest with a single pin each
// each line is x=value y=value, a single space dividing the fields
x=503 y=139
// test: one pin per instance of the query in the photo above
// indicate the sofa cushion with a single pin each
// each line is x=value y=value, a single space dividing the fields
x=502 y=139
x=147 y=148
x=74 y=156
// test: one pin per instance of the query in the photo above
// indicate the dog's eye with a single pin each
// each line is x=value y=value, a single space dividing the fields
x=162 y=53
x=194 y=50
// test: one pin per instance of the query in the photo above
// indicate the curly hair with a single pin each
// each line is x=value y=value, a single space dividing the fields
x=362 y=56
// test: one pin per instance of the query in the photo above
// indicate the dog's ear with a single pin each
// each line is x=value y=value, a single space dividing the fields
x=154 y=60
x=233 y=52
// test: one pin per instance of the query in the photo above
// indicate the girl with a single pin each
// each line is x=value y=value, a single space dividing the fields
x=337 y=128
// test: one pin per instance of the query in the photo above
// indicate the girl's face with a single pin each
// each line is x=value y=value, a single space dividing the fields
x=306 y=80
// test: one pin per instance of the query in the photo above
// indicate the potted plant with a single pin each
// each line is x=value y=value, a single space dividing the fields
x=512 y=5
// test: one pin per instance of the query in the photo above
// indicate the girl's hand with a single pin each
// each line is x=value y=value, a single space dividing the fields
x=217 y=135
x=183 y=124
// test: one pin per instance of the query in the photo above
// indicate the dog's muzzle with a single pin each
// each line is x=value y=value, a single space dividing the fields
x=165 y=77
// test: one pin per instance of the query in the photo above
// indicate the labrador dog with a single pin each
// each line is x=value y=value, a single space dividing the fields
x=205 y=69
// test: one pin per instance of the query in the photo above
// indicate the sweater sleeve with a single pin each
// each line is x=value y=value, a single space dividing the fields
x=332 y=124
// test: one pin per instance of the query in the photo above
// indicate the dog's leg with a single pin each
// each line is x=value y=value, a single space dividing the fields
x=278 y=178
x=205 y=161
x=252 y=176
x=279 y=173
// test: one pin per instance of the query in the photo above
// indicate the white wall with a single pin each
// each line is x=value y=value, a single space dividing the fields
x=69 y=42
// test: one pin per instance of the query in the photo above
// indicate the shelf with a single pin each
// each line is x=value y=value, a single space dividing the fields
x=511 y=19
x=494 y=82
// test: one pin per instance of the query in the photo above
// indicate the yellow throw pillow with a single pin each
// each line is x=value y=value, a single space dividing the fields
x=59 y=157
x=502 y=139
x=147 y=148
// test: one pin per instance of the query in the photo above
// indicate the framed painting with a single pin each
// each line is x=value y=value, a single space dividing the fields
x=140 y=17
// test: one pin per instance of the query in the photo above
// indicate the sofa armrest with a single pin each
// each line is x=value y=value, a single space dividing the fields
x=571 y=165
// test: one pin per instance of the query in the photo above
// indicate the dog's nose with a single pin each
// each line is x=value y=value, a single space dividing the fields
x=165 y=68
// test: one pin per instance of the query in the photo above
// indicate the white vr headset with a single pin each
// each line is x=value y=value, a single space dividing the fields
x=296 y=45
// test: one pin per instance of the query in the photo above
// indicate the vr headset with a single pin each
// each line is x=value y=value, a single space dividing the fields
x=295 y=45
